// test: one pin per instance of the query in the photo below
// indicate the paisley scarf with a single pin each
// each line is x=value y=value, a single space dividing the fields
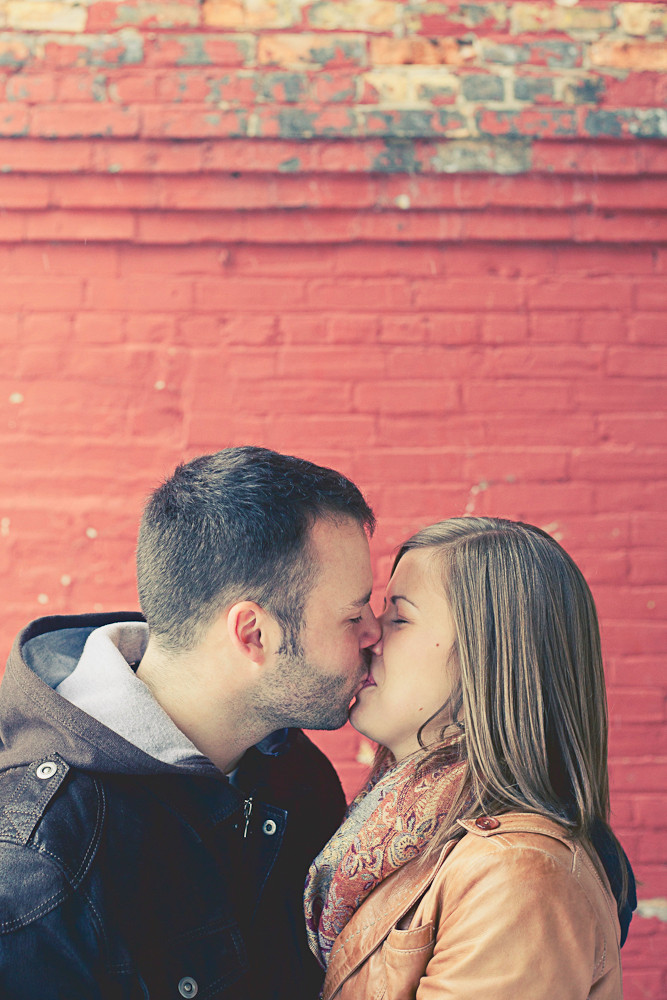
x=389 y=823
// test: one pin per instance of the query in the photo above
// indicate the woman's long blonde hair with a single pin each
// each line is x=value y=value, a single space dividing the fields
x=532 y=692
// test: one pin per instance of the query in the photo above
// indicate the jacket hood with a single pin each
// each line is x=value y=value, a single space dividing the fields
x=36 y=721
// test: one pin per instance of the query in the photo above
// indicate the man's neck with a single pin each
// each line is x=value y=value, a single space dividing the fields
x=190 y=687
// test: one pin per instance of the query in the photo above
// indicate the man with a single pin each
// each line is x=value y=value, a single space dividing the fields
x=158 y=811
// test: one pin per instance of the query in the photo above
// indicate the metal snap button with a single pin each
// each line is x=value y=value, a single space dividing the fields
x=188 y=987
x=46 y=770
x=269 y=827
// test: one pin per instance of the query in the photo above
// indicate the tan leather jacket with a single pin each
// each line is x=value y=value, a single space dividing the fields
x=512 y=911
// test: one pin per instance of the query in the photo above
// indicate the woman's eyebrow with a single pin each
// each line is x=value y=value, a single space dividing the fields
x=401 y=597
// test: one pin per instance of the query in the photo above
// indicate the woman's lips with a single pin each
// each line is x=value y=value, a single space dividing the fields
x=367 y=682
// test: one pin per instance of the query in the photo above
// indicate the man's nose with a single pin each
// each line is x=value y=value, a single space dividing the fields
x=372 y=634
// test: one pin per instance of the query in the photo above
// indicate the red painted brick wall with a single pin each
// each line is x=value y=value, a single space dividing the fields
x=424 y=243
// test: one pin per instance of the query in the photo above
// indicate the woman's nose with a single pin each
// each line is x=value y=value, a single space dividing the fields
x=376 y=648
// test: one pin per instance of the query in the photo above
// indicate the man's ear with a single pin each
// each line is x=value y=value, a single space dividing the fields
x=247 y=625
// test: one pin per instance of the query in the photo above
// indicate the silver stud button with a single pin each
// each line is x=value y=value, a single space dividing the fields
x=269 y=827
x=46 y=770
x=188 y=987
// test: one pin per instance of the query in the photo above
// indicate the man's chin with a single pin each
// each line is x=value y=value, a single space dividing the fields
x=327 y=722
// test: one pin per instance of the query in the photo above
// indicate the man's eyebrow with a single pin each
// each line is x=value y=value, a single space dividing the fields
x=360 y=603
x=401 y=597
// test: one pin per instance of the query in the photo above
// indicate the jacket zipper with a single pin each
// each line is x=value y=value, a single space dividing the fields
x=247 y=810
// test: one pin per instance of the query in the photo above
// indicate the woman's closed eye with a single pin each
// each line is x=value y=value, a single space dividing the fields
x=394 y=620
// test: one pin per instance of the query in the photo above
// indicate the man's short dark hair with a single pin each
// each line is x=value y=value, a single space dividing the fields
x=235 y=526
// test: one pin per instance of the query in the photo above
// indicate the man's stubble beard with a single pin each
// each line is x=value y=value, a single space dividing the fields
x=303 y=696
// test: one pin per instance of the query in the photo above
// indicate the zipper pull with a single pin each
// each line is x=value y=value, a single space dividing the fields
x=247 y=810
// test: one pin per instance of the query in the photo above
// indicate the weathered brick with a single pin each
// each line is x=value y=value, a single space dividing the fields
x=482 y=87
x=589 y=90
x=73 y=121
x=109 y=16
x=354 y=15
x=14 y=119
x=341 y=85
x=304 y=122
x=501 y=156
x=540 y=17
x=649 y=123
x=386 y=51
x=543 y=52
x=121 y=48
x=281 y=87
x=79 y=87
x=386 y=85
x=191 y=122
x=200 y=49
x=412 y=122
x=32 y=89
x=536 y=89
x=536 y=122
x=316 y=50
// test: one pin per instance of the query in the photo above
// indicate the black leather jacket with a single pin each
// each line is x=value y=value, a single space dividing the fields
x=124 y=878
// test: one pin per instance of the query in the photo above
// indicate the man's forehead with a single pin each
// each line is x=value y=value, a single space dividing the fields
x=339 y=536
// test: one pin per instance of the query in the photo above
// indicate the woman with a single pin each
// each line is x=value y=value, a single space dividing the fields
x=466 y=867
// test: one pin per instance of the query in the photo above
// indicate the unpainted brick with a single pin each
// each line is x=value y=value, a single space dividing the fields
x=49 y=15
x=640 y=56
x=641 y=19
x=237 y=14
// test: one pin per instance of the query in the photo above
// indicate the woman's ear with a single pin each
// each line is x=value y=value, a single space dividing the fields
x=247 y=627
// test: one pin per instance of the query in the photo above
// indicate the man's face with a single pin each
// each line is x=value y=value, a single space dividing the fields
x=313 y=687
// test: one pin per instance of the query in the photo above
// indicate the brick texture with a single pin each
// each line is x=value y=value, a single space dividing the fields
x=423 y=243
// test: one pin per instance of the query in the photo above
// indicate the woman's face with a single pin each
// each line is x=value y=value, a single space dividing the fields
x=412 y=674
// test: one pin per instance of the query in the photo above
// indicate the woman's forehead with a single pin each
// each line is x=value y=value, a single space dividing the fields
x=417 y=572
